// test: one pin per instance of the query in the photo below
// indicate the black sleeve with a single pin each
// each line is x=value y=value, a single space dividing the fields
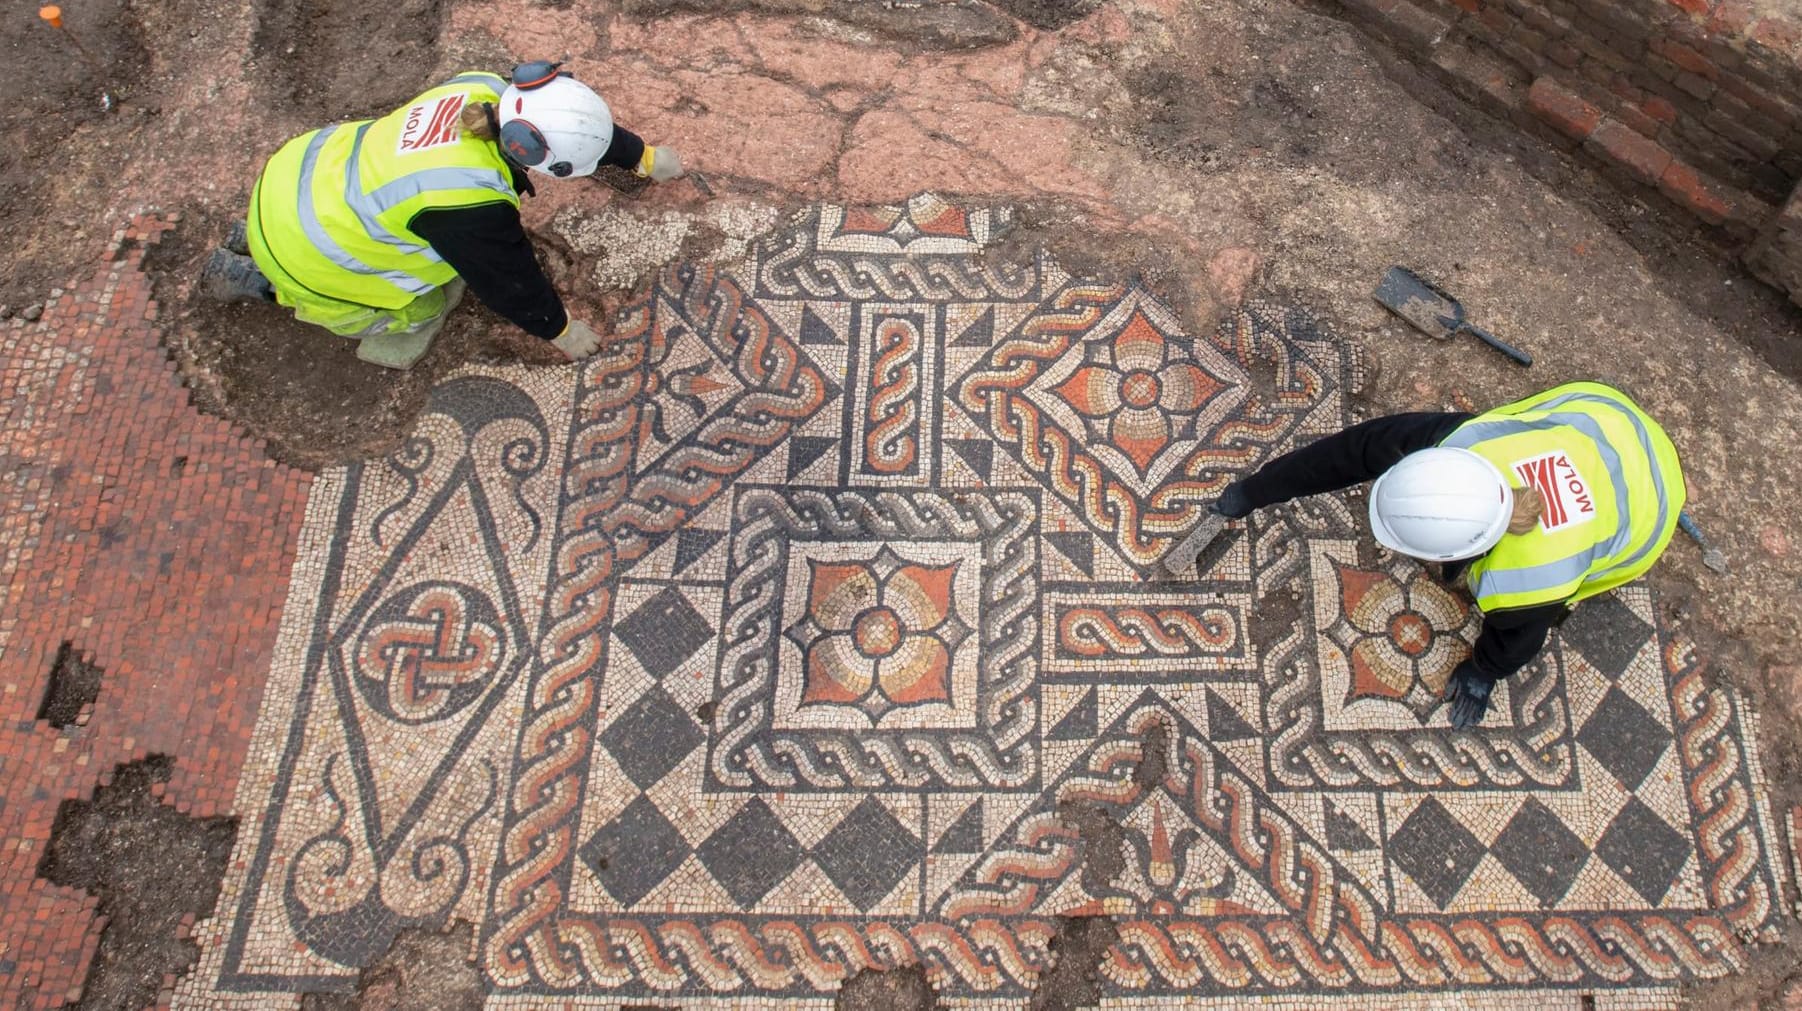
x=1511 y=639
x=488 y=248
x=1360 y=453
x=625 y=150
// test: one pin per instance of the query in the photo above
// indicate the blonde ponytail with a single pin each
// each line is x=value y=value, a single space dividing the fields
x=1528 y=507
x=478 y=120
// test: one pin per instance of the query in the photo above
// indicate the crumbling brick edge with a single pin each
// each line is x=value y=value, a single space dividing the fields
x=1689 y=103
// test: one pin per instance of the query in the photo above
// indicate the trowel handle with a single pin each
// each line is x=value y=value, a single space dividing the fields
x=1496 y=342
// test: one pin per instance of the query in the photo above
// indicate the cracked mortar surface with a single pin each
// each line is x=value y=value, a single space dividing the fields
x=1217 y=149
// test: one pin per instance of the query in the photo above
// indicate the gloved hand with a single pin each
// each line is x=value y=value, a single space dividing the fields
x=1232 y=502
x=660 y=163
x=578 y=340
x=1468 y=690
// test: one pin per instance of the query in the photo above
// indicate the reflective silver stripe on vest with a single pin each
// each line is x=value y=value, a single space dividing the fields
x=1574 y=567
x=370 y=206
x=495 y=81
x=327 y=246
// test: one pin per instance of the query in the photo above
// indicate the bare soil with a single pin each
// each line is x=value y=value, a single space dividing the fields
x=904 y=989
x=934 y=24
x=299 y=388
x=154 y=870
x=55 y=93
x=335 y=61
x=74 y=685
x=421 y=971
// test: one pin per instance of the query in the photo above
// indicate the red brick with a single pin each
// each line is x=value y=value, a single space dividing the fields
x=1687 y=58
x=1637 y=120
x=1659 y=109
x=1565 y=111
x=1761 y=100
x=1695 y=193
x=121 y=604
x=1697 y=8
x=1640 y=157
x=1777 y=34
x=1731 y=17
x=1469 y=5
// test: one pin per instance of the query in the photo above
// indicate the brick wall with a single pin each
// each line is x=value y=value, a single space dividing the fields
x=1696 y=103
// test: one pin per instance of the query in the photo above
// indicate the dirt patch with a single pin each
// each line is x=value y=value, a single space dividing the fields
x=421 y=971
x=1154 y=764
x=1092 y=251
x=55 y=96
x=1082 y=942
x=154 y=870
x=338 y=61
x=74 y=685
x=937 y=24
x=1103 y=843
x=299 y=388
x=1078 y=947
x=903 y=989
x=1211 y=121
x=1049 y=15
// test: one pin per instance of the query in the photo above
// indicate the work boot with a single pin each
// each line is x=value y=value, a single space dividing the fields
x=402 y=349
x=230 y=276
x=238 y=239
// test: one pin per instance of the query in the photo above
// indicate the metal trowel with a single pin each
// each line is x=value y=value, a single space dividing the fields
x=1435 y=313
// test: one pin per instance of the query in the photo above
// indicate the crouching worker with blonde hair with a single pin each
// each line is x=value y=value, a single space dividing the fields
x=1536 y=505
x=372 y=229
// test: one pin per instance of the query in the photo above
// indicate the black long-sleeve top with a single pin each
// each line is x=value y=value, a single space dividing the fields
x=1510 y=638
x=487 y=246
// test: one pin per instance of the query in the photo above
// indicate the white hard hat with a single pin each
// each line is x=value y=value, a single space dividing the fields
x=1441 y=505
x=554 y=124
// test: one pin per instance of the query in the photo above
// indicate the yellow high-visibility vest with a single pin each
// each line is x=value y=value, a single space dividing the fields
x=1612 y=487
x=331 y=208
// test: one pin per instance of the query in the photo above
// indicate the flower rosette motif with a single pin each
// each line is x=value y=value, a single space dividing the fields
x=1403 y=633
x=1137 y=395
x=878 y=634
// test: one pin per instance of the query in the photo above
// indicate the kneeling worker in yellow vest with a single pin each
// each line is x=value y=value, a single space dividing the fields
x=1537 y=505
x=371 y=229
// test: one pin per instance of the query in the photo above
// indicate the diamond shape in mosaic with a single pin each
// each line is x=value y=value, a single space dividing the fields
x=664 y=631
x=751 y=853
x=649 y=739
x=1542 y=853
x=868 y=853
x=1645 y=851
x=1434 y=849
x=1607 y=632
x=634 y=852
x=1624 y=738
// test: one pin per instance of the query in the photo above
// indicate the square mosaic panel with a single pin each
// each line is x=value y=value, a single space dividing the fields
x=811 y=627
x=878 y=640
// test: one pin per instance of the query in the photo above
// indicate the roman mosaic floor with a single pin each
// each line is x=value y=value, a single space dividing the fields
x=816 y=625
